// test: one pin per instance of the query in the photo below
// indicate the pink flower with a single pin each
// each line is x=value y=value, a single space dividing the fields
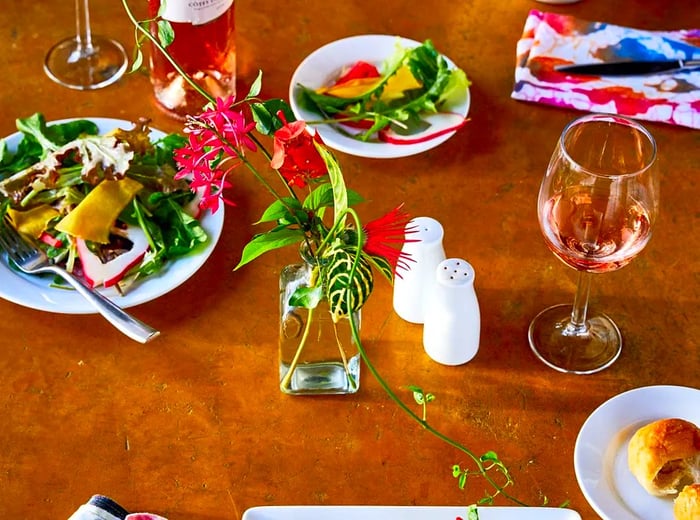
x=385 y=237
x=295 y=155
x=217 y=139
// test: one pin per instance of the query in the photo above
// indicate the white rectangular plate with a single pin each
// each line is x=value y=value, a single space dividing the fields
x=405 y=513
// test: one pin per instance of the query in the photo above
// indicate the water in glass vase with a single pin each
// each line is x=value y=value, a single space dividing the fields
x=317 y=356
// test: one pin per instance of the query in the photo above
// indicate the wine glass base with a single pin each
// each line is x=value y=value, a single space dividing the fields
x=77 y=66
x=565 y=348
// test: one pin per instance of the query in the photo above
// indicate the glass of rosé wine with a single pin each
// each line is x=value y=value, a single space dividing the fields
x=85 y=61
x=596 y=207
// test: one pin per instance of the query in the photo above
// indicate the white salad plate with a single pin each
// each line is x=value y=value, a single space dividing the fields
x=600 y=453
x=405 y=513
x=325 y=64
x=35 y=291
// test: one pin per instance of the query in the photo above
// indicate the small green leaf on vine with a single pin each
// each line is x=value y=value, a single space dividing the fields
x=420 y=396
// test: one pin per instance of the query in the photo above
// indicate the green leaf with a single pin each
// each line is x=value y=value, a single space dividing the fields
x=472 y=513
x=322 y=197
x=265 y=115
x=255 y=87
x=489 y=456
x=340 y=194
x=279 y=210
x=307 y=297
x=267 y=242
x=382 y=265
x=35 y=126
x=166 y=34
x=137 y=61
x=462 y=482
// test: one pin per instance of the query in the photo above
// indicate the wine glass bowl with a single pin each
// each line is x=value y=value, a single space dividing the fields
x=85 y=61
x=596 y=207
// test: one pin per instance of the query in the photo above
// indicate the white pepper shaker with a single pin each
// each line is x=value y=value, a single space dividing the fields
x=426 y=252
x=452 y=324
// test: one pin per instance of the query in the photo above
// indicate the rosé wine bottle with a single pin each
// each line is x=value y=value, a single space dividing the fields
x=204 y=46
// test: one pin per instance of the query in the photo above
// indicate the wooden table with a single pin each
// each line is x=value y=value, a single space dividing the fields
x=193 y=426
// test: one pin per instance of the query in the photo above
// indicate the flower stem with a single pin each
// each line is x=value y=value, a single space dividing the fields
x=286 y=380
x=139 y=27
x=482 y=469
x=344 y=358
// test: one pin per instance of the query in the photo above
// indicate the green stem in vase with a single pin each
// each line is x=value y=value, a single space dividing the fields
x=344 y=358
x=286 y=380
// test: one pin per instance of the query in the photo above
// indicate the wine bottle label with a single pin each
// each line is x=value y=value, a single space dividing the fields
x=196 y=12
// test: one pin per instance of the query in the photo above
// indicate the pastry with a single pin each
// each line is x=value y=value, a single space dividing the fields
x=665 y=455
x=687 y=504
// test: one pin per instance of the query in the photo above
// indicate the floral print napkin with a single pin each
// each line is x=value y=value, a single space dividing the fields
x=550 y=40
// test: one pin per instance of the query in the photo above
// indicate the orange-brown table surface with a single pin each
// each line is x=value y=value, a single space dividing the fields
x=193 y=426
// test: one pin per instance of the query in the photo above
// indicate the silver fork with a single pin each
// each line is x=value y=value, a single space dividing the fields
x=32 y=260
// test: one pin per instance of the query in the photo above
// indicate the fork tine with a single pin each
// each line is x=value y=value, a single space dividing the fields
x=13 y=243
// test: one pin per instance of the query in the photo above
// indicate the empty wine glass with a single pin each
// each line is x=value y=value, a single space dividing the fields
x=85 y=61
x=596 y=207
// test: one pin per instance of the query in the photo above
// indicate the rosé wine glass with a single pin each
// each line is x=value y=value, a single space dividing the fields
x=596 y=207
x=85 y=61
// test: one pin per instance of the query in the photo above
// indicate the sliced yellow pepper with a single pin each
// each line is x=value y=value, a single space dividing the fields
x=93 y=218
x=350 y=89
x=395 y=86
x=33 y=221
x=400 y=82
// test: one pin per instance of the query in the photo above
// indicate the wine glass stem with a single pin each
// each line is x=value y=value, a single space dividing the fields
x=83 y=33
x=580 y=307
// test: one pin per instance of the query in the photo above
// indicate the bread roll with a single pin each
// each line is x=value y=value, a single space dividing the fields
x=687 y=504
x=665 y=455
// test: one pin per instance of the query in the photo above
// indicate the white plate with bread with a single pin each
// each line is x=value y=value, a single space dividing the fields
x=638 y=450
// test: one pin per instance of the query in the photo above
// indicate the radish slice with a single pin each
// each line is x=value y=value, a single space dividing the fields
x=107 y=274
x=440 y=124
x=50 y=240
x=362 y=124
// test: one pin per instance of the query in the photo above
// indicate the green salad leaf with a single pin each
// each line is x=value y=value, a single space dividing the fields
x=56 y=166
x=442 y=88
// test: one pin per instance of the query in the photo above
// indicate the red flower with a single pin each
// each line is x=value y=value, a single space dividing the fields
x=295 y=155
x=386 y=235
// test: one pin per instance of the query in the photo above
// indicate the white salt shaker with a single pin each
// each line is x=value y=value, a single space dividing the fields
x=452 y=320
x=426 y=252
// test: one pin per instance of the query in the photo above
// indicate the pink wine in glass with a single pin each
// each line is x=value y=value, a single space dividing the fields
x=589 y=232
x=204 y=46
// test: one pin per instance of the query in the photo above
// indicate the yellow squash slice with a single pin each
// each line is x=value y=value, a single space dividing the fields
x=93 y=218
x=33 y=221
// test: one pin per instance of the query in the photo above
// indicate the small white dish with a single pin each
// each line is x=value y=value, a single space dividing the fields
x=600 y=453
x=36 y=293
x=321 y=68
x=405 y=513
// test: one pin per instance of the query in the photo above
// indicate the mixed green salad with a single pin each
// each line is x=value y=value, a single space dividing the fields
x=408 y=99
x=105 y=207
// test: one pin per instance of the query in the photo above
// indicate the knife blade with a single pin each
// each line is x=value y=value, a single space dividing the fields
x=628 y=68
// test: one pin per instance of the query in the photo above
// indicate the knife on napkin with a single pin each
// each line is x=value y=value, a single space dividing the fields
x=628 y=68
